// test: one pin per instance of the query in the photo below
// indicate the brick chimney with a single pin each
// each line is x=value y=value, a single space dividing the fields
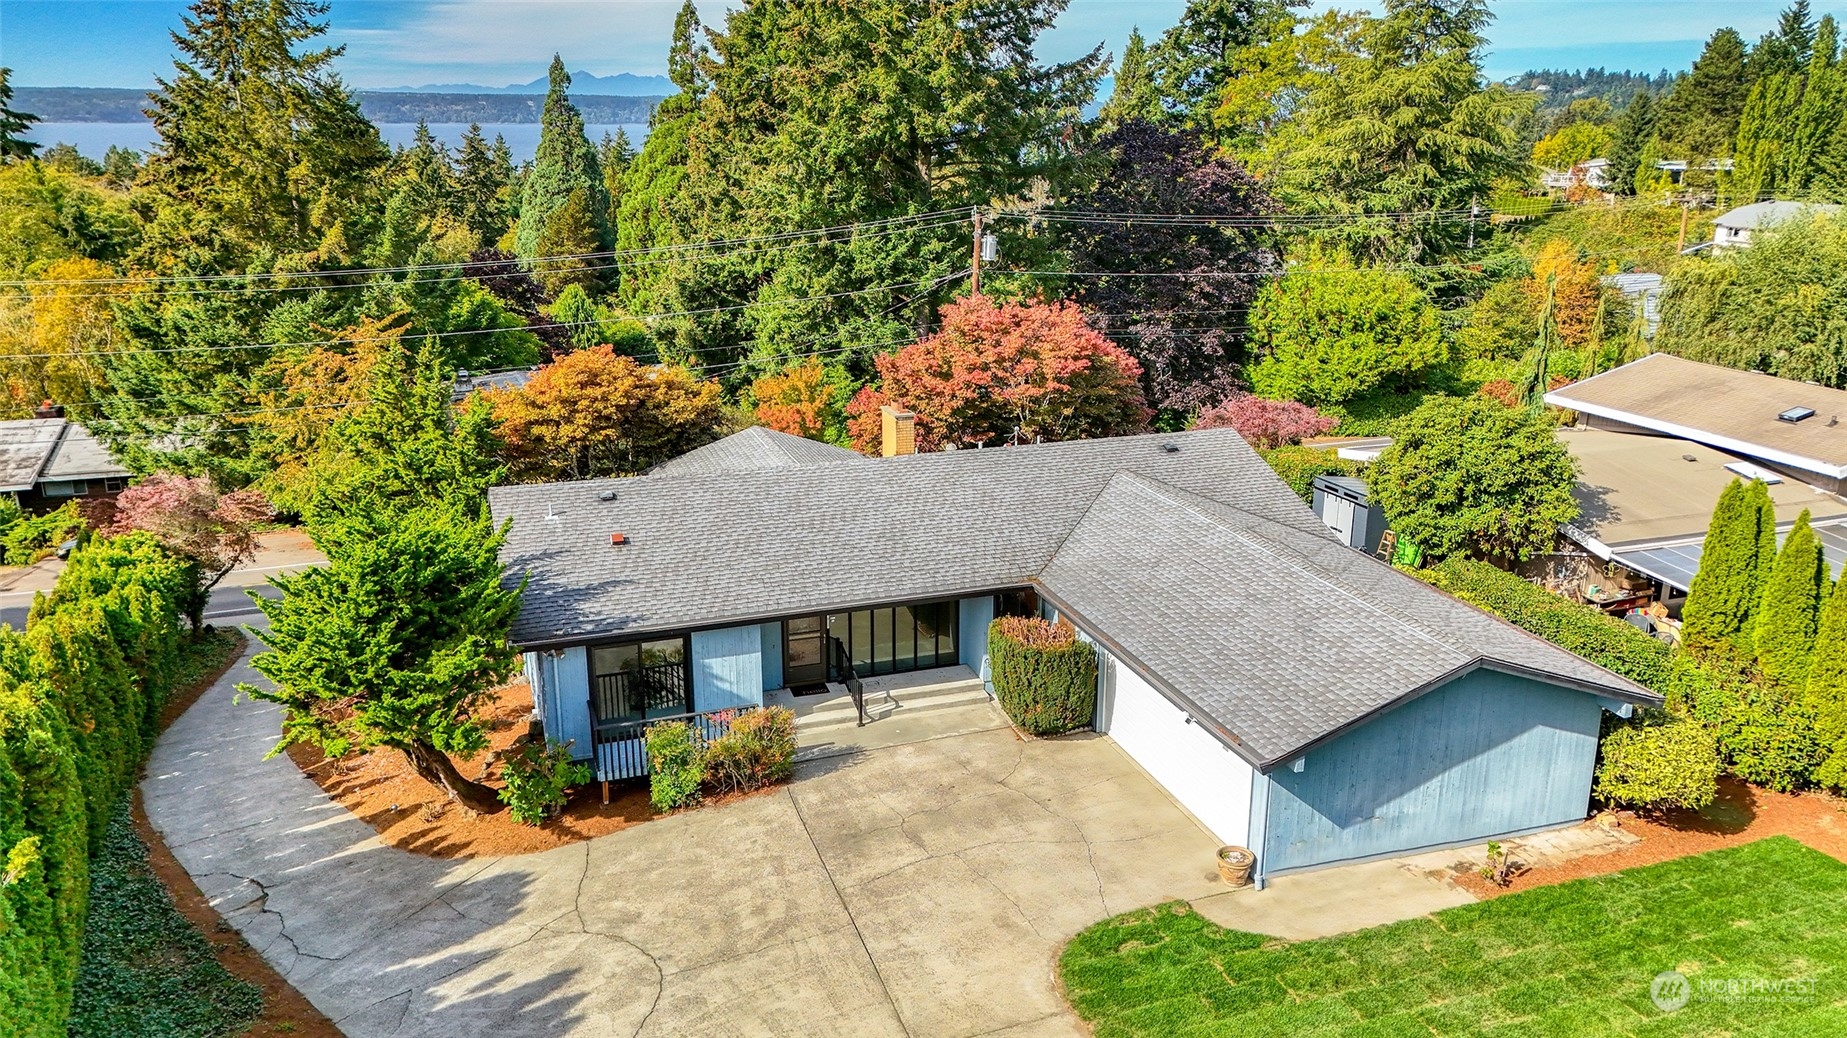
x=899 y=429
x=49 y=410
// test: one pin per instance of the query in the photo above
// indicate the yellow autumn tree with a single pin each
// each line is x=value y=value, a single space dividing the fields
x=1577 y=291
x=53 y=333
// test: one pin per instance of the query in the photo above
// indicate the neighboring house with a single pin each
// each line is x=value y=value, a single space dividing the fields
x=47 y=460
x=1788 y=427
x=1734 y=229
x=1643 y=287
x=1296 y=696
x=1646 y=502
x=467 y=382
x=1592 y=173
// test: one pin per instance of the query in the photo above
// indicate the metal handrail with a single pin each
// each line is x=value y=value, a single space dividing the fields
x=850 y=678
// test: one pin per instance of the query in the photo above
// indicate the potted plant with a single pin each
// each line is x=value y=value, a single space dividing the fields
x=1235 y=865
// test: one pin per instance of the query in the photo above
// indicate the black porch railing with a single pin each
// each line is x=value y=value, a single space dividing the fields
x=634 y=694
x=843 y=669
x=620 y=747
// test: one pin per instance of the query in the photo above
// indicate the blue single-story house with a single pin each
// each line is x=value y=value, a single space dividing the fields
x=1294 y=695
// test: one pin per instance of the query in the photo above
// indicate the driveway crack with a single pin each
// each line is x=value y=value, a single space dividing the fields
x=828 y=871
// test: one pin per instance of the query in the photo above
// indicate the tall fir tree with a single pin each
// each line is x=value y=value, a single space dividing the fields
x=1789 y=610
x=1796 y=28
x=1761 y=514
x=565 y=162
x=483 y=187
x=1406 y=127
x=1198 y=56
x=652 y=211
x=1635 y=128
x=615 y=152
x=1699 y=117
x=1827 y=687
x=1134 y=95
x=1719 y=604
x=13 y=123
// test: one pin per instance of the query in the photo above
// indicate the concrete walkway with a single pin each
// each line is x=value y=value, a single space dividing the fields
x=917 y=890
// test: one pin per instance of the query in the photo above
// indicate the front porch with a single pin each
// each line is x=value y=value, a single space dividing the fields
x=900 y=709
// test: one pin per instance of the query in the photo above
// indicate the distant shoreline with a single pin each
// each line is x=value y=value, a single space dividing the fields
x=94 y=138
x=123 y=106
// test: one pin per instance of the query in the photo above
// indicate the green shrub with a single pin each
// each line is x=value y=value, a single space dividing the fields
x=757 y=750
x=1044 y=675
x=1298 y=466
x=1604 y=640
x=676 y=764
x=536 y=779
x=1765 y=737
x=27 y=539
x=1659 y=762
x=80 y=694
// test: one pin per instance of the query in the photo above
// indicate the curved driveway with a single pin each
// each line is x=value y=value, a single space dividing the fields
x=917 y=890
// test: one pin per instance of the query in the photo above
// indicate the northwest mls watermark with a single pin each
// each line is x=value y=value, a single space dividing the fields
x=1673 y=990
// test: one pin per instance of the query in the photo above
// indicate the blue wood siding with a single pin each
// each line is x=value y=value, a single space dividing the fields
x=973 y=617
x=772 y=654
x=1486 y=755
x=728 y=668
x=564 y=692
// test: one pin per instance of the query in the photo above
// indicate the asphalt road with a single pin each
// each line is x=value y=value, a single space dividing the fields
x=228 y=606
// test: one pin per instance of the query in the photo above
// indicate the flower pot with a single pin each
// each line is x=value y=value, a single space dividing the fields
x=1235 y=865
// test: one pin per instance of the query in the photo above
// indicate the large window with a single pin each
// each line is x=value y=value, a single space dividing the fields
x=894 y=639
x=640 y=680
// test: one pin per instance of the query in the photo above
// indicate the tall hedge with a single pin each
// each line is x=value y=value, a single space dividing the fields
x=1789 y=608
x=80 y=693
x=1598 y=637
x=1735 y=562
x=1044 y=675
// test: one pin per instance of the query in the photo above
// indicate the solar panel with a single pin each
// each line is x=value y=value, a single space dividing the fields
x=1675 y=564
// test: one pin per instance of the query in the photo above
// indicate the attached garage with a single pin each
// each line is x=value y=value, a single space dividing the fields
x=1196 y=769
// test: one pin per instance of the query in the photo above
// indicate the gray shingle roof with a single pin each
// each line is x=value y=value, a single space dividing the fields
x=1197 y=563
x=24 y=447
x=1764 y=214
x=733 y=546
x=754 y=449
x=1280 y=637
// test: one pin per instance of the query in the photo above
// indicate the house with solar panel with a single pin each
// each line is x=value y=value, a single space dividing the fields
x=1296 y=696
x=1657 y=440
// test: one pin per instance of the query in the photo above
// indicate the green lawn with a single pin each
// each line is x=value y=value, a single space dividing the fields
x=1570 y=960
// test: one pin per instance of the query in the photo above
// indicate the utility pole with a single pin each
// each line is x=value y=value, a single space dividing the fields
x=1685 y=197
x=975 y=281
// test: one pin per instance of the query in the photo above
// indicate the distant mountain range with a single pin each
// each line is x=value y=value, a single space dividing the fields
x=121 y=105
x=622 y=84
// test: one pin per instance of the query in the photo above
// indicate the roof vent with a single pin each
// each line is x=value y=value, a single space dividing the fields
x=1796 y=414
x=607 y=495
x=618 y=539
x=1688 y=457
x=1170 y=448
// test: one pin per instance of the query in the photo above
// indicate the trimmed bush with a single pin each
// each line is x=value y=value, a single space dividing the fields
x=1585 y=630
x=1044 y=675
x=27 y=539
x=1658 y=763
x=536 y=779
x=676 y=764
x=1765 y=736
x=757 y=750
x=80 y=695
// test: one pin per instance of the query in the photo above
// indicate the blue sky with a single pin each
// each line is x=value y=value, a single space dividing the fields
x=495 y=42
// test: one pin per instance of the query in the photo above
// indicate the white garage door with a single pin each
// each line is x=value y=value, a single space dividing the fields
x=1199 y=771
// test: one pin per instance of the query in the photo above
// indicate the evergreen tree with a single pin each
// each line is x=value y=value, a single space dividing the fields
x=651 y=212
x=483 y=187
x=1134 y=95
x=565 y=163
x=13 y=123
x=425 y=167
x=1719 y=604
x=615 y=152
x=1827 y=687
x=1404 y=128
x=572 y=231
x=1634 y=129
x=1699 y=117
x=1790 y=609
x=1797 y=30
x=1194 y=60
x=1765 y=131
x=1761 y=512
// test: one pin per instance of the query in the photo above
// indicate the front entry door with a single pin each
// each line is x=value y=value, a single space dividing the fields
x=804 y=651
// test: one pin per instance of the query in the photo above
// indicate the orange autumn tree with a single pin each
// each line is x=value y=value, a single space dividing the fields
x=799 y=400
x=598 y=413
x=1000 y=369
x=1576 y=294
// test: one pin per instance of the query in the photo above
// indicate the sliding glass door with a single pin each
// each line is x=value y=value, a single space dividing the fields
x=895 y=639
x=640 y=680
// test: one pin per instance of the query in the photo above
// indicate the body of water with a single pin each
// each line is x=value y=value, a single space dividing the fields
x=93 y=139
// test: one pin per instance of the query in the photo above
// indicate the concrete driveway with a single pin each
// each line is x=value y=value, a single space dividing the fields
x=916 y=890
